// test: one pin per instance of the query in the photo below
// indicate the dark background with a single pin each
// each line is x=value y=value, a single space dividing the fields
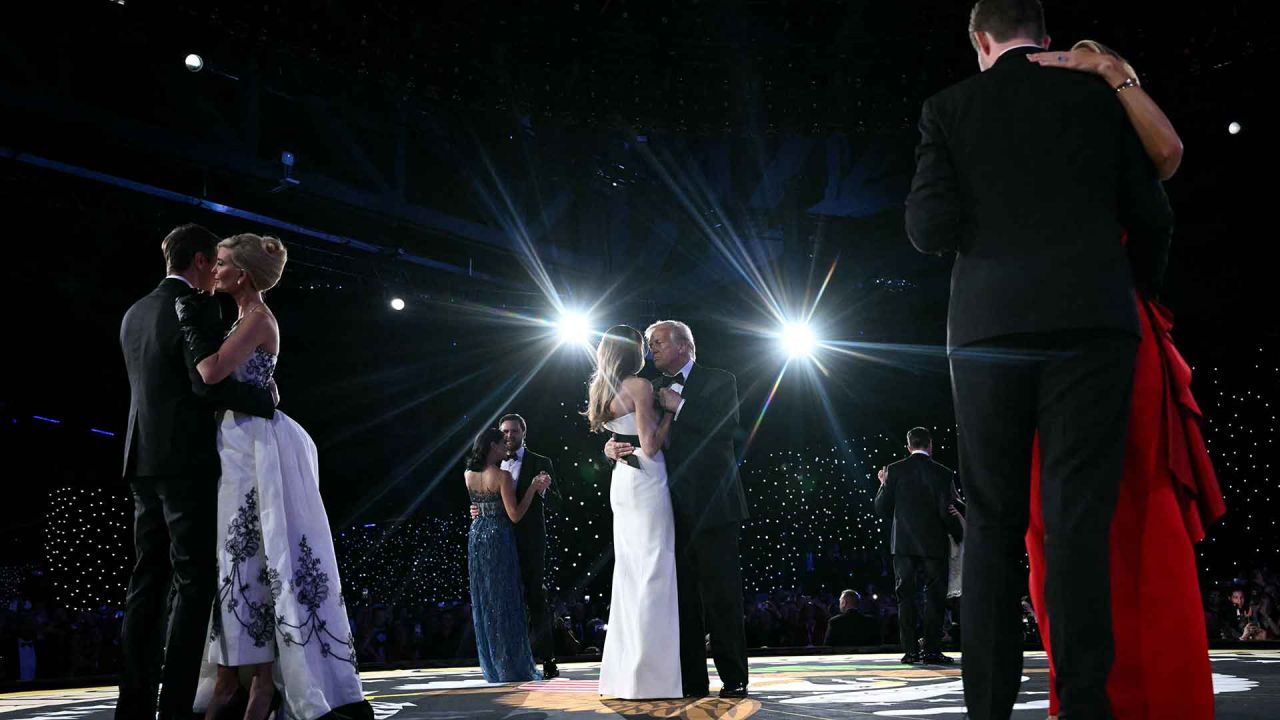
x=709 y=161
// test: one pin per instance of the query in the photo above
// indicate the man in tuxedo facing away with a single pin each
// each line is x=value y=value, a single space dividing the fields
x=1031 y=177
x=172 y=466
x=916 y=494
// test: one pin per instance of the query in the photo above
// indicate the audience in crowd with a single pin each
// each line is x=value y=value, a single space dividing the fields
x=39 y=642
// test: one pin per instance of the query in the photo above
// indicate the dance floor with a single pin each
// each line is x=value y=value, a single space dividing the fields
x=1246 y=683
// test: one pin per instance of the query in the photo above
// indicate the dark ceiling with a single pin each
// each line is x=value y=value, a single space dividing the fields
x=673 y=158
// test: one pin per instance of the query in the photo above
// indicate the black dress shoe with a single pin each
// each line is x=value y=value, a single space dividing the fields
x=936 y=658
x=734 y=690
x=549 y=670
x=911 y=658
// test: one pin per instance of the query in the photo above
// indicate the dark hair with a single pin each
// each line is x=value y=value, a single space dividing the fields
x=477 y=458
x=918 y=438
x=1008 y=19
x=184 y=242
x=517 y=418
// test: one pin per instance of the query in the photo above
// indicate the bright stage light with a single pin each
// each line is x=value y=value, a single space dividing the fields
x=575 y=328
x=194 y=62
x=798 y=340
x=1234 y=128
x=397 y=304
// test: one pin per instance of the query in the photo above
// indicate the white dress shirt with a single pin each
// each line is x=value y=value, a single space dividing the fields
x=1015 y=47
x=513 y=465
x=679 y=388
x=182 y=279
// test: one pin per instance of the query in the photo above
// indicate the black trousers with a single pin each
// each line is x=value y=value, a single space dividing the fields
x=171 y=589
x=541 y=640
x=1074 y=389
x=709 y=590
x=915 y=573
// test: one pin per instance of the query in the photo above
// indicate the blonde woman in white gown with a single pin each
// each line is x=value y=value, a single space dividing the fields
x=279 y=613
x=642 y=646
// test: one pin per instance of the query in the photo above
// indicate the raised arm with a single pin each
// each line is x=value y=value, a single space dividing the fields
x=1160 y=141
x=516 y=511
x=255 y=329
x=200 y=323
x=651 y=427
x=1145 y=214
x=884 y=496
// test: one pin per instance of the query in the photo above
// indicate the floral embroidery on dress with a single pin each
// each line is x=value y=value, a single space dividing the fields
x=311 y=589
x=244 y=540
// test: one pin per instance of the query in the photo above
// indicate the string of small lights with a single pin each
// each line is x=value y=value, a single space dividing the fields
x=802 y=503
x=87 y=547
x=1240 y=429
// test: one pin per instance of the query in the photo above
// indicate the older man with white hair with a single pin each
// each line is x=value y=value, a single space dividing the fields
x=709 y=505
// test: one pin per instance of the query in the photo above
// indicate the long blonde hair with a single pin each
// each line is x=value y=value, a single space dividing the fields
x=1101 y=49
x=619 y=354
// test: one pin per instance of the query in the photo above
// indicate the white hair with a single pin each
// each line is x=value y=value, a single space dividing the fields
x=679 y=331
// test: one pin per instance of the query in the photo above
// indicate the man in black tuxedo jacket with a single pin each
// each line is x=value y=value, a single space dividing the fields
x=916 y=494
x=1030 y=177
x=531 y=540
x=851 y=628
x=709 y=507
x=172 y=466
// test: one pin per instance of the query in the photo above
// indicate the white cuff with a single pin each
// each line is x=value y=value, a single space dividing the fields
x=678 y=409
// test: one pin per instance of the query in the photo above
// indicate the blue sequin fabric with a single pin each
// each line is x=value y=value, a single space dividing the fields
x=497 y=596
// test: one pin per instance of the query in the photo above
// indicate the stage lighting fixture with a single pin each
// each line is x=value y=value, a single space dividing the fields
x=1234 y=128
x=194 y=62
x=798 y=340
x=397 y=304
x=575 y=328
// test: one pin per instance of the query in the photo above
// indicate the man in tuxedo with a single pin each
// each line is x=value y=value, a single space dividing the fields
x=709 y=507
x=172 y=466
x=1030 y=177
x=916 y=494
x=531 y=539
x=851 y=628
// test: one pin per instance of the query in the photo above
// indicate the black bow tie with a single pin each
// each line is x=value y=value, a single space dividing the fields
x=677 y=379
x=513 y=456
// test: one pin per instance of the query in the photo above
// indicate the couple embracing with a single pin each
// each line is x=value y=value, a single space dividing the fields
x=678 y=508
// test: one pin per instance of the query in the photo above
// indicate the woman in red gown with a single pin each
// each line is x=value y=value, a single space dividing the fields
x=1168 y=493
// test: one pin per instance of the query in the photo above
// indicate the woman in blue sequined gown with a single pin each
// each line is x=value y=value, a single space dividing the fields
x=279 y=609
x=497 y=598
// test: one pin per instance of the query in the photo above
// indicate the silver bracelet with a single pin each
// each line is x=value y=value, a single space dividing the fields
x=1128 y=83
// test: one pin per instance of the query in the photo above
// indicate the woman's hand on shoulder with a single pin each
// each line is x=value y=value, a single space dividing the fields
x=1080 y=60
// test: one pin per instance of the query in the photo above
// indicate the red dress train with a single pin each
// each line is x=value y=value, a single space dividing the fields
x=1168 y=496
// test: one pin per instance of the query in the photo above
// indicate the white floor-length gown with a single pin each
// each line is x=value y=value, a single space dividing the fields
x=279 y=596
x=642 y=645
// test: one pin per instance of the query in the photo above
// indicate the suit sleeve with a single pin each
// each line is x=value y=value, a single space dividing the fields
x=936 y=222
x=946 y=497
x=884 y=498
x=714 y=415
x=1145 y=214
x=231 y=393
x=550 y=469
